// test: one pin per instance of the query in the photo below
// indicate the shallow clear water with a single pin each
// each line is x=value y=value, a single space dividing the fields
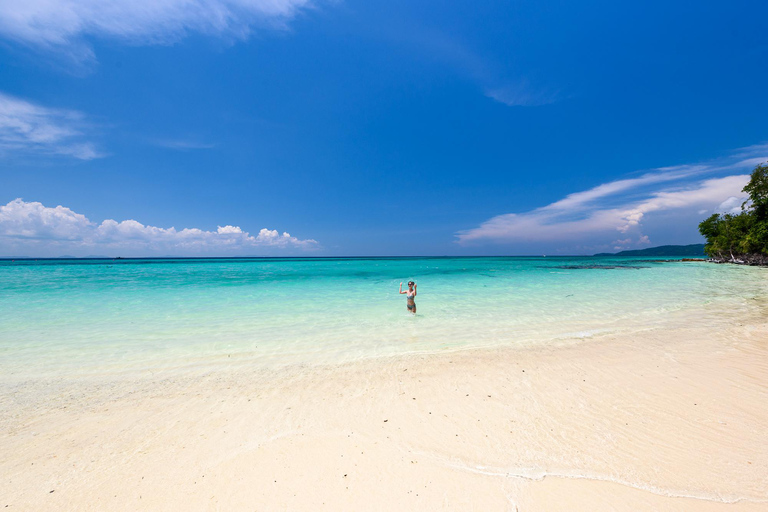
x=63 y=317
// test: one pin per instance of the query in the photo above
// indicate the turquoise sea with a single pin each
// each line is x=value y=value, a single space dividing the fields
x=96 y=317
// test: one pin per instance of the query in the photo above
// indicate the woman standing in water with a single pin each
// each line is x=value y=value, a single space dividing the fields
x=410 y=293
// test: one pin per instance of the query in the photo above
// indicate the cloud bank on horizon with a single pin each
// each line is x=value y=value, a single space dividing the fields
x=612 y=215
x=64 y=25
x=30 y=228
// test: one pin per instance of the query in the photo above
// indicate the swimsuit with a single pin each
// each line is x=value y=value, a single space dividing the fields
x=410 y=304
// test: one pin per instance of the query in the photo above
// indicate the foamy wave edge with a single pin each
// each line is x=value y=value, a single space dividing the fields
x=532 y=473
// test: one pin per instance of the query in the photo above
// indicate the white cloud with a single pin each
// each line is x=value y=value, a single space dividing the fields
x=598 y=214
x=34 y=221
x=229 y=230
x=551 y=224
x=448 y=48
x=731 y=205
x=27 y=127
x=64 y=24
x=621 y=244
x=31 y=226
x=579 y=199
x=523 y=94
x=182 y=144
x=707 y=192
x=755 y=149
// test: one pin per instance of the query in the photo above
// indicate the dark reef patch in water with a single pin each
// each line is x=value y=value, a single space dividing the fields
x=596 y=267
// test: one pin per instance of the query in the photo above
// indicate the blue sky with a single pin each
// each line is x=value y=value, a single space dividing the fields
x=215 y=127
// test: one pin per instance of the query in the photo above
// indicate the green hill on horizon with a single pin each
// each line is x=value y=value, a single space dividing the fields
x=662 y=250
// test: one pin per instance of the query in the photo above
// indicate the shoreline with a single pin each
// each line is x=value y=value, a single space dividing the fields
x=661 y=420
x=751 y=260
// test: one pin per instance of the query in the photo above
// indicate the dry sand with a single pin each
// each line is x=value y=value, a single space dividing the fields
x=666 y=420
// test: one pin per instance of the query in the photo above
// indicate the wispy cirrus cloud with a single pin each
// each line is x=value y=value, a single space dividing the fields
x=523 y=94
x=612 y=214
x=31 y=227
x=182 y=144
x=65 y=25
x=518 y=89
x=26 y=127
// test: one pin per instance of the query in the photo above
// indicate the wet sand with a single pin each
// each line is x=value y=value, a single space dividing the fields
x=663 y=420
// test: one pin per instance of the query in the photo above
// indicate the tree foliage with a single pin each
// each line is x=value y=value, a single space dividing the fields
x=732 y=235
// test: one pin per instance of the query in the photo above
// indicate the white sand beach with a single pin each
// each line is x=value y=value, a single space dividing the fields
x=666 y=420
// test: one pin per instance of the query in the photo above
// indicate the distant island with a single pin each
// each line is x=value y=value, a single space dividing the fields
x=662 y=250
